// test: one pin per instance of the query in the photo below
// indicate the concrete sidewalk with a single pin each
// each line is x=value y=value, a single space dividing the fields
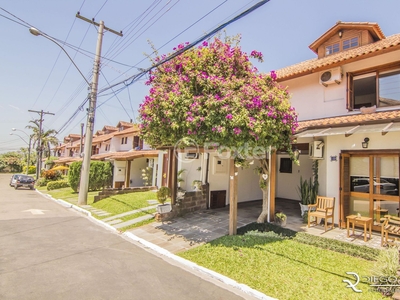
x=200 y=227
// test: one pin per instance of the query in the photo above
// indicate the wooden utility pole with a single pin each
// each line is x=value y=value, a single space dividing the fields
x=84 y=182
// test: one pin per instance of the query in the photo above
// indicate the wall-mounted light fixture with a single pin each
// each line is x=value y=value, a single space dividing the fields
x=340 y=33
x=365 y=143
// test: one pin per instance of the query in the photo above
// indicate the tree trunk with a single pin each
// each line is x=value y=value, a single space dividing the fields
x=264 y=184
x=264 y=212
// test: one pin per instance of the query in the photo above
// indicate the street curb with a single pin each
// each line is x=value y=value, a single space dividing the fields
x=226 y=280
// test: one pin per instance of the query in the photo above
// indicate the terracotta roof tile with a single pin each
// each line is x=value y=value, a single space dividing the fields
x=391 y=43
x=354 y=119
x=134 y=129
x=134 y=154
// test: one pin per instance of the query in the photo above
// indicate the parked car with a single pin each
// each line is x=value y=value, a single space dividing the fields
x=385 y=187
x=14 y=179
x=25 y=181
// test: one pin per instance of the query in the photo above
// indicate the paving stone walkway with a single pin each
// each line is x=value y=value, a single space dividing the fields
x=118 y=223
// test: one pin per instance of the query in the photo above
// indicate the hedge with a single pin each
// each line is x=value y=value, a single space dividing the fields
x=54 y=185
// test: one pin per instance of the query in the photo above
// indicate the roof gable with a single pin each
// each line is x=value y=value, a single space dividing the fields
x=373 y=29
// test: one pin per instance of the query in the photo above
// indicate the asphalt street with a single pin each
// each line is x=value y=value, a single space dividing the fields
x=48 y=251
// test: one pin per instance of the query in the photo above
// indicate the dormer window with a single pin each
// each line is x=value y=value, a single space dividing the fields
x=332 y=49
x=350 y=43
x=341 y=46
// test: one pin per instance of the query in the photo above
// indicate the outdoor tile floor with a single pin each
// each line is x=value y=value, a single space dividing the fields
x=203 y=226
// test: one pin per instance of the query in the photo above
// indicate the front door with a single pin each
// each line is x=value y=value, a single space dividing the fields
x=369 y=185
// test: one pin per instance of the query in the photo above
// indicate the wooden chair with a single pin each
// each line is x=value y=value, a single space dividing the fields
x=390 y=226
x=324 y=208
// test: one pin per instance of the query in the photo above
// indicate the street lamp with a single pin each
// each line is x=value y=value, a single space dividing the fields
x=84 y=181
x=36 y=32
x=29 y=146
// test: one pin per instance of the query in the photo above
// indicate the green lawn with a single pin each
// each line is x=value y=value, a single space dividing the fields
x=118 y=204
x=284 y=268
x=67 y=194
x=115 y=205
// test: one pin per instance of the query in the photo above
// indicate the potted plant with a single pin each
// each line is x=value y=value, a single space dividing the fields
x=308 y=189
x=304 y=191
x=280 y=219
x=197 y=185
x=162 y=195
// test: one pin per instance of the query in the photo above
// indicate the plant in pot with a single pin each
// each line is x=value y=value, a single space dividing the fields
x=308 y=189
x=280 y=219
x=162 y=196
x=197 y=185
x=180 y=192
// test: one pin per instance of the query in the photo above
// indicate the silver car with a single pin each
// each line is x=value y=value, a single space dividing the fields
x=384 y=187
x=14 y=179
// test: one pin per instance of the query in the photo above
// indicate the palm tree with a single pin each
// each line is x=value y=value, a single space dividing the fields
x=42 y=140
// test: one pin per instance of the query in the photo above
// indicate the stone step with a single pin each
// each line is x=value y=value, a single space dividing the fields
x=134 y=221
x=115 y=221
x=144 y=209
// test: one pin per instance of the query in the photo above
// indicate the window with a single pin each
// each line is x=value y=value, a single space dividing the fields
x=350 y=43
x=285 y=165
x=332 y=49
x=124 y=140
x=380 y=88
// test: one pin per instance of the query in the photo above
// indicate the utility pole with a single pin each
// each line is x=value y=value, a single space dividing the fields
x=39 y=141
x=84 y=181
x=81 y=147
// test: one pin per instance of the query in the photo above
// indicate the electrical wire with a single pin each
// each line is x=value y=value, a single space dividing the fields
x=186 y=48
x=118 y=99
x=130 y=41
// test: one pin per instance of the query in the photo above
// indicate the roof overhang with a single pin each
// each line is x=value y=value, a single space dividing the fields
x=347 y=131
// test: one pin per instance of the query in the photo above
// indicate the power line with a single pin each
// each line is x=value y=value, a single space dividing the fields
x=135 y=77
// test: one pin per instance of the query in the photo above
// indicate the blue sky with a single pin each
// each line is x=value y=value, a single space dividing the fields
x=36 y=75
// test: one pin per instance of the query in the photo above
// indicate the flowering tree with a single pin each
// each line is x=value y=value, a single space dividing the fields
x=213 y=95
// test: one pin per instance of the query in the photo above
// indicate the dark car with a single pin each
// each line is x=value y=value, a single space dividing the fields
x=25 y=181
x=14 y=179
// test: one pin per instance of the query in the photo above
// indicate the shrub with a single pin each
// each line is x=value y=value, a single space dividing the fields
x=100 y=175
x=31 y=170
x=386 y=268
x=42 y=182
x=162 y=194
x=51 y=175
x=74 y=175
x=54 y=185
x=337 y=246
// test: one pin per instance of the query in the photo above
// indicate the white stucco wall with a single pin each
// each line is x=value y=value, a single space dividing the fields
x=287 y=183
x=191 y=170
x=330 y=101
x=119 y=170
x=218 y=177
x=135 y=179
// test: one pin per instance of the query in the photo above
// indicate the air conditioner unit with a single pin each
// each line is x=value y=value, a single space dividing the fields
x=330 y=76
x=192 y=156
x=315 y=150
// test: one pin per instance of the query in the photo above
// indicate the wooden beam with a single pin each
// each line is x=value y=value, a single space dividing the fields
x=127 y=173
x=232 y=197
x=272 y=182
x=174 y=175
